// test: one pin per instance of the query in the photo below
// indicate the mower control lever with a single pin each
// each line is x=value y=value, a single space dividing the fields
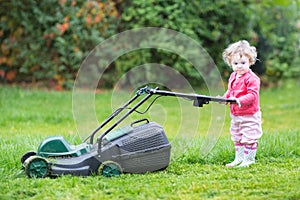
x=140 y=120
x=144 y=90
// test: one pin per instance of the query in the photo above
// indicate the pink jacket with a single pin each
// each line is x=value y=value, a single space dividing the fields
x=246 y=90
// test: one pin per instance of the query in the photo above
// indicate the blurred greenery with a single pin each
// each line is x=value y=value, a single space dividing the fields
x=46 y=41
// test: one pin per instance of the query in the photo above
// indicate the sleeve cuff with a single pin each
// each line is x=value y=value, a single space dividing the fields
x=238 y=103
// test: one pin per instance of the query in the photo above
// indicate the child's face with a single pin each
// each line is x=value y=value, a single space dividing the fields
x=240 y=64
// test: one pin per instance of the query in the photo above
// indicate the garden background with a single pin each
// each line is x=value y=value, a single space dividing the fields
x=44 y=42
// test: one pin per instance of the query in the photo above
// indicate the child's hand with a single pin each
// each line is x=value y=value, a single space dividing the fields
x=237 y=101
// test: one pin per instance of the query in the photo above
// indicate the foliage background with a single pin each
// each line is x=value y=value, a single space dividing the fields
x=46 y=41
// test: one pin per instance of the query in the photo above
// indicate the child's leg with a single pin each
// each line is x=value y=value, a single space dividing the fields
x=251 y=130
x=236 y=137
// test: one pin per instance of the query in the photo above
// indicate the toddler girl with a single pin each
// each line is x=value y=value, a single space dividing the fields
x=243 y=86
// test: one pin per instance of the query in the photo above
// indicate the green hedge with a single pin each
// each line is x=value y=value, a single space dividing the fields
x=211 y=23
x=48 y=40
x=278 y=31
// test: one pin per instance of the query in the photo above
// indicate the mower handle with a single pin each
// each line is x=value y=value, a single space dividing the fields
x=111 y=117
x=199 y=100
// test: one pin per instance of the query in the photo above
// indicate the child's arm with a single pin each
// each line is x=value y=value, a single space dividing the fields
x=253 y=86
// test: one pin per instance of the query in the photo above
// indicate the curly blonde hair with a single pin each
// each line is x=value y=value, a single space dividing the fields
x=241 y=48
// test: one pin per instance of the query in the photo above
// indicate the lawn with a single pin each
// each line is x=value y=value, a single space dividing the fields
x=28 y=116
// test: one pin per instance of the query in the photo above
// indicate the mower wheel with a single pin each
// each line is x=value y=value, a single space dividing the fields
x=27 y=155
x=110 y=169
x=36 y=167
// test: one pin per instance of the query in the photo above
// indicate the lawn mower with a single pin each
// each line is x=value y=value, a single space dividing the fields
x=139 y=147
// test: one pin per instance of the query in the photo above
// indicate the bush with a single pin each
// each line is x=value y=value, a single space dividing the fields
x=211 y=23
x=278 y=39
x=47 y=40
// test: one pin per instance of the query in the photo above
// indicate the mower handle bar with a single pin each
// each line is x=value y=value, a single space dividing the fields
x=199 y=100
x=205 y=99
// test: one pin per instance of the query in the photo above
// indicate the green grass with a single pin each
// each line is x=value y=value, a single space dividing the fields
x=28 y=116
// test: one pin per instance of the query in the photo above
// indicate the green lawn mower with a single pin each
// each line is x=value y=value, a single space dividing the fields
x=139 y=147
